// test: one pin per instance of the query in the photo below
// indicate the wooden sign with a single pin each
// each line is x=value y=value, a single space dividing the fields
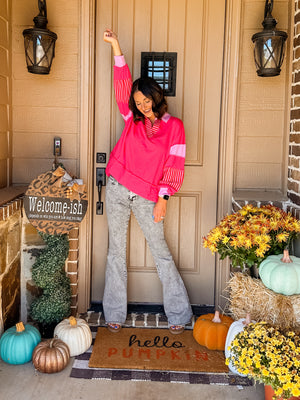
x=55 y=203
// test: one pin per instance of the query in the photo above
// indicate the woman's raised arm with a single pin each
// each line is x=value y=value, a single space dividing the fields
x=111 y=37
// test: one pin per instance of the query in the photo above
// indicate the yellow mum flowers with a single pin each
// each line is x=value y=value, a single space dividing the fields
x=272 y=359
x=251 y=234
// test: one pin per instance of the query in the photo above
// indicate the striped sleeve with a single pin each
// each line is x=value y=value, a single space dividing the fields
x=122 y=86
x=173 y=173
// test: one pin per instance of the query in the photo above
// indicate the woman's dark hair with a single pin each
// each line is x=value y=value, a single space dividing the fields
x=150 y=89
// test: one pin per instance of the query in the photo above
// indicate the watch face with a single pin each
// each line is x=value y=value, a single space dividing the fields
x=166 y=197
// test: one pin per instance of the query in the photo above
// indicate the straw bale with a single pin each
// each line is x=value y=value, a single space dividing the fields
x=250 y=295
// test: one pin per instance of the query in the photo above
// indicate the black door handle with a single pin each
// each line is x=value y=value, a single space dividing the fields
x=99 y=205
x=100 y=182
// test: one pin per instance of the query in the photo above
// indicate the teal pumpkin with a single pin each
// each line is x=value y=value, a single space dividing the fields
x=281 y=273
x=18 y=342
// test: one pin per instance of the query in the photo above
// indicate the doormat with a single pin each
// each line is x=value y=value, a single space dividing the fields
x=154 y=349
x=85 y=366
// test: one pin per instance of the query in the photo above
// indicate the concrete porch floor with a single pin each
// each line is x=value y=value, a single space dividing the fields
x=23 y=382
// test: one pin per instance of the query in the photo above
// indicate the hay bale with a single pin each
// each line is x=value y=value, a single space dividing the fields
x=248 y=295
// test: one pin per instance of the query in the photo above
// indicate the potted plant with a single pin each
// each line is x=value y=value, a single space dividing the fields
x=48 y=273
x=269 y=356
x=251 y=234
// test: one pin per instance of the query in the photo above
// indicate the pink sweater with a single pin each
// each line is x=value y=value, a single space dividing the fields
x=147 y=161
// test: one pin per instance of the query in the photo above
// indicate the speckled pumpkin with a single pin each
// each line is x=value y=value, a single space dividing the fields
x=210 y=330
x=51 y=356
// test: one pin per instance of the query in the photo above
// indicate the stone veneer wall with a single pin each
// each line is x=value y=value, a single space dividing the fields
x=31 y=245
x=19 y=246
x=10 y=263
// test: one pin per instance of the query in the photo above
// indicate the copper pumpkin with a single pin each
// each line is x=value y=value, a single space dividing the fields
x=51 y=356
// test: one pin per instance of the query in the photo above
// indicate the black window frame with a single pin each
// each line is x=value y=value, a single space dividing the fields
x=147 y=70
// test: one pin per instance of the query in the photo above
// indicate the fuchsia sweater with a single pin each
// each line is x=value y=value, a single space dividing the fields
x=147 y=161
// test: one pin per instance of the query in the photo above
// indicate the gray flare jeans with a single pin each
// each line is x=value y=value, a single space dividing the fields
x=119 y=204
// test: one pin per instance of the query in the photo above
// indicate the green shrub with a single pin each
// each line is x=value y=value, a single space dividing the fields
x=48 y=273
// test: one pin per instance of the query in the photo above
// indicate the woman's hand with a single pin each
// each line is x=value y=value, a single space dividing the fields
x=160 y=209
x=111 y=37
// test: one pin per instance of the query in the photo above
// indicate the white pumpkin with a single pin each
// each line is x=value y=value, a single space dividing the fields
x=76 y=333
x=235 y=328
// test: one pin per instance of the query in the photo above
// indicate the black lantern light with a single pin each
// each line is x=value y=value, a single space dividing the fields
x=269 y=45
x=39 y=43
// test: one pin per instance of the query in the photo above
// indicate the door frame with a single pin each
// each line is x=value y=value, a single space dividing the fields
x=233 y=15
x=226 y=149
x=86 y=145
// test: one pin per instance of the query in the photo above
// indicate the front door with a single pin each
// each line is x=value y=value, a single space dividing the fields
x=195 y=30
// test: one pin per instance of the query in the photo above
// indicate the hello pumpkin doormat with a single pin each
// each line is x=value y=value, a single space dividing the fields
x=81 y=370
x=153 y=349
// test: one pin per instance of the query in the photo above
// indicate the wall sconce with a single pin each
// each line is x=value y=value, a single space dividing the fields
x=39 y=43
x=269 y=45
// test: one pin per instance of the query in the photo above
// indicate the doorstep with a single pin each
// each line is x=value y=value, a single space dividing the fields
x=142 y=316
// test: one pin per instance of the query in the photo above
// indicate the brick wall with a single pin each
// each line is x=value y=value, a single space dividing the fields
x=72 y=268
x=294 y=146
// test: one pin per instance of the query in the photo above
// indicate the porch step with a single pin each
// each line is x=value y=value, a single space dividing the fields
x=134 y=320
x=152 y=316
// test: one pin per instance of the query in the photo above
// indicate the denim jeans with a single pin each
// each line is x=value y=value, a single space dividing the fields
x=119 y=204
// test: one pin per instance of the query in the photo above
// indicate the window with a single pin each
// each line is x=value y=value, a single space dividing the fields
x=162 y=68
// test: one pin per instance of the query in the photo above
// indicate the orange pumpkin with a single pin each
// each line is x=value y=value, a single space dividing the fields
x=210 y=330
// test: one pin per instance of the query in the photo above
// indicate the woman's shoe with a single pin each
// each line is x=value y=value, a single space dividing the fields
x=176 y=329
x=114 y=327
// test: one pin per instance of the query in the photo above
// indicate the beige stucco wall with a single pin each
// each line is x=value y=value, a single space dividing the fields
x=263 y=106
x=5 y=97
x=46 y=106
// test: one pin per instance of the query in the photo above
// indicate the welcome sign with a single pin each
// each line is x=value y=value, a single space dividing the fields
x=54 y=208
x=55 y=203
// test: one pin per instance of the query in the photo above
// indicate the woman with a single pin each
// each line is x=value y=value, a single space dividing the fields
x=145 y=167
